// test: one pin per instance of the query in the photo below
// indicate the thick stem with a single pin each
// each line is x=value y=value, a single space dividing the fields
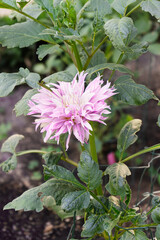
x=94 y=156
x=78 y=60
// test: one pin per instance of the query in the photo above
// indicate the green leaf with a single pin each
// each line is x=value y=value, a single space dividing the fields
x=110 y=66
x=33 y=198
x=22 y=3
x=158 y=122
x=21 y=107
x=151 y=6
x=102 y=7
x=46 y=49
x=11 y=143
x=77 y=200
x=156 y=215
x=109 y=224
x=93 y=225
x=22 y=34
x=52 y=158
x=59 y=76
x=151 y=37
x=9 y=164
x=121 y=5
x=88 y=171
x=154 y=48
x=46 y=4
x=136 y=50
x=121 y=32
x=8 y=4
x=134 y=235
x=33 y=79
x=128 y=135
x=8 y=81
x=131 y=92
x=157 y=234
x=117 y=179
x=50 y=204
x=63 y=174
x=63 y=33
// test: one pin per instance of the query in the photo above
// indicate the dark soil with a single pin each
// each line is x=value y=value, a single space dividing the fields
x=46 y=225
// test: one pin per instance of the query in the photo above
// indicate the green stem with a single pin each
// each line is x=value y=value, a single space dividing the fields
x=30 y=151
x=98 y=200
x=136 y=7
x=96 y=49
x=69 y=161
x=34 y=19
x=153 y=148
x=78 y=60
x=118 y=61
x=94 y=155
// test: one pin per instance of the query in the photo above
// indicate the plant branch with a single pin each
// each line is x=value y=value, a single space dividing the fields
x=153 y=148
x=98 y=200
x=133 y=9
x=96 y=49
x=78 y=59
x=118 y=61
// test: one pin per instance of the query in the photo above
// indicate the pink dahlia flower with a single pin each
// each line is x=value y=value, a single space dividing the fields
x=70 y=107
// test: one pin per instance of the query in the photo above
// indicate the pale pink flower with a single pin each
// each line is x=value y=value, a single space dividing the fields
x=70 y=107
x=111 y=158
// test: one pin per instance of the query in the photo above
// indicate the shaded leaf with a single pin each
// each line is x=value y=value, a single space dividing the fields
x=77 y=200
x=32 y=199
x=8 y=4
x=21 y=107
x=22 y=34
x=128 y=135
x=102 y=7
x=131 y=92
x=109 y=224
x=156 y=215
x=134 y=235
x=9 y=164
x=88 y=171
x=11 y=143
x=93 y=225
x=52 y=158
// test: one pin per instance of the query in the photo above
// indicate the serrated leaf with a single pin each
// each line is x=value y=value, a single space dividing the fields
x=59 y=76
x=131 y=92
x=74 y=201
x=33 y=79
x=120 y=5
x=128 y=135
x=121 y=32
x=102 y=7
x=157 y=234
x=156 y=215
x=11 y=143
x=8 y=81
x=136 y=50
x=93 y=225
x=9 y=164
x=110 y=66
x=63 y=174
x=151 y=6
x=46 y=49
x=134 y=235
x=109 y=224
x=117 y=179
x=52 y=158
x=22 y=34
x=21 y=107
x=32 y=199
x=88 y=171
